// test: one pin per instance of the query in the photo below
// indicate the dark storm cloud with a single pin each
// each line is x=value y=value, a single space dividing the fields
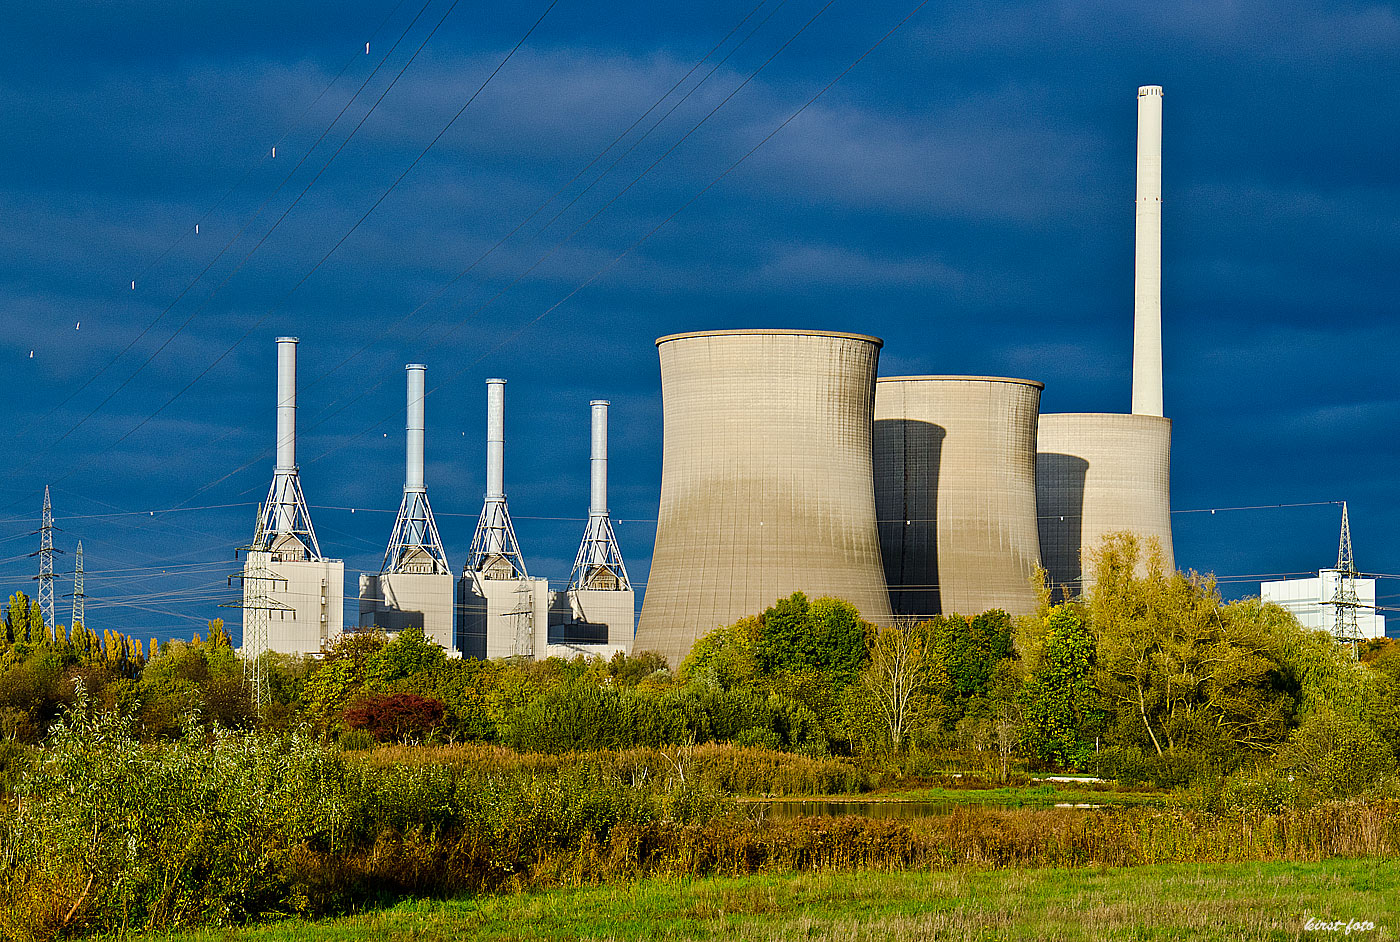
x=966 y=193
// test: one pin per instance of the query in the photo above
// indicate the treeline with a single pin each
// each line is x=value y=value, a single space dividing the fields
x=1150 y=678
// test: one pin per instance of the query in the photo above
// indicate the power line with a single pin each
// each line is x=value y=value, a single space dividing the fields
x=217 y=360
x=244 y=261
x=184 y=230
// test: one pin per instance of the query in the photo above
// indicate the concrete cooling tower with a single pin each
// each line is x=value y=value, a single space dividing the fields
x=1099 y=473
x=955 y=466
x=766 y=480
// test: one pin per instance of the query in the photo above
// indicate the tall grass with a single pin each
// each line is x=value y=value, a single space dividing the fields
x=732 y=769
x=108 y=835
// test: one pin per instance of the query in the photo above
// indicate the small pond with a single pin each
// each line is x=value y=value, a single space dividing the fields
x=782 y=810
x=902 y=810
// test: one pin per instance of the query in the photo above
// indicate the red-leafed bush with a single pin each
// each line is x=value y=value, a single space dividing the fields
x=395 y=717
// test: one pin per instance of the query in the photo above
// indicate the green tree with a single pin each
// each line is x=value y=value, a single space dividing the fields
x=787 y=640
x=726 y=657
x=840 y=636
x=1059 y=705
x=409 y=653
x=1184 y=673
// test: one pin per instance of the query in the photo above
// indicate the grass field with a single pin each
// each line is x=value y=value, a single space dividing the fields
x=1181 y=901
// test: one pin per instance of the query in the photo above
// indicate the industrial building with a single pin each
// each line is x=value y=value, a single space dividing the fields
x=1313 y=602
x=1100 y=473
x=767 y=485
x=955 y=467
x=413 y=587
x=596 y=614
x=500 y=610
x=786 y=466
x=293 y=597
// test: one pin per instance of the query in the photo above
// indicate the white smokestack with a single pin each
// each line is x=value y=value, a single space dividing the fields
x=413 y=467
x=1147 y=275
x=598 y=461
x=286 y=404
x=495 y=439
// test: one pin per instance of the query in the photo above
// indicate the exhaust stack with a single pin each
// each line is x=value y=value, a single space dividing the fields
x=286 y=404
x=598 y=460
x=495 y=553
x=284 y=513
x=1147 y=274
x=413 y=463
x=599 y=562
x=495 y=439
x=414 y=546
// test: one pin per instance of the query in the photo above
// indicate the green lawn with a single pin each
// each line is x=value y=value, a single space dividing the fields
x=1183 y=901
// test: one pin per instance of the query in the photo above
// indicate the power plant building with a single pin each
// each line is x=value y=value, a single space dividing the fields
x=290 y=591
x=596 y=614
x=1312 y=602
x=767 y=483
x=955 y=493
x=1100 y=473
x=500 y=610
x=414 y=586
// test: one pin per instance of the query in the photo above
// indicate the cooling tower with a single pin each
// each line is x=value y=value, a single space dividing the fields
x=955 y=495
x=1098 y=473
x=766 y=480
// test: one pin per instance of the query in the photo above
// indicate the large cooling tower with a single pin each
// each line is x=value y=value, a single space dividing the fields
x=955 y=471
x=766 y=480
x=1098 y=473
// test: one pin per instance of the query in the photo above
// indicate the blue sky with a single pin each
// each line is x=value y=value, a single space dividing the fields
x=964 y=192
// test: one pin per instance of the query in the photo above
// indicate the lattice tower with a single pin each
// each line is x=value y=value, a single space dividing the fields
x=79 y=598
x=524 y=617
x=259 y=583
x=1344 y=600
x=45 y=554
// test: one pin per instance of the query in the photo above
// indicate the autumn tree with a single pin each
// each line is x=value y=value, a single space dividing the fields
x=898 y=661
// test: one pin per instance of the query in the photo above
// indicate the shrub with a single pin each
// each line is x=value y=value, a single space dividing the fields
x=395 y=717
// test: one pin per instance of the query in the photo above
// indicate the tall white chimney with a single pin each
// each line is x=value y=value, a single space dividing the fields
x=413 y=464
x=598 y=564
x=598 y=460
x=286 y=404
x=284 y=512
x=495 y=456
x=415 y=532
x=495 y=439
x=286 y=462
x=1147 y=274
x=494 y=547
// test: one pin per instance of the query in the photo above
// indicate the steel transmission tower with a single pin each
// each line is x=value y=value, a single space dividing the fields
x=45 y=554
x=1344 y=600
x=79 y=606
x=259 y=584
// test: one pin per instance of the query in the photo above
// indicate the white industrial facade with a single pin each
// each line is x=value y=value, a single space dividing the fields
x=1310 y=601
x=502 y=617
